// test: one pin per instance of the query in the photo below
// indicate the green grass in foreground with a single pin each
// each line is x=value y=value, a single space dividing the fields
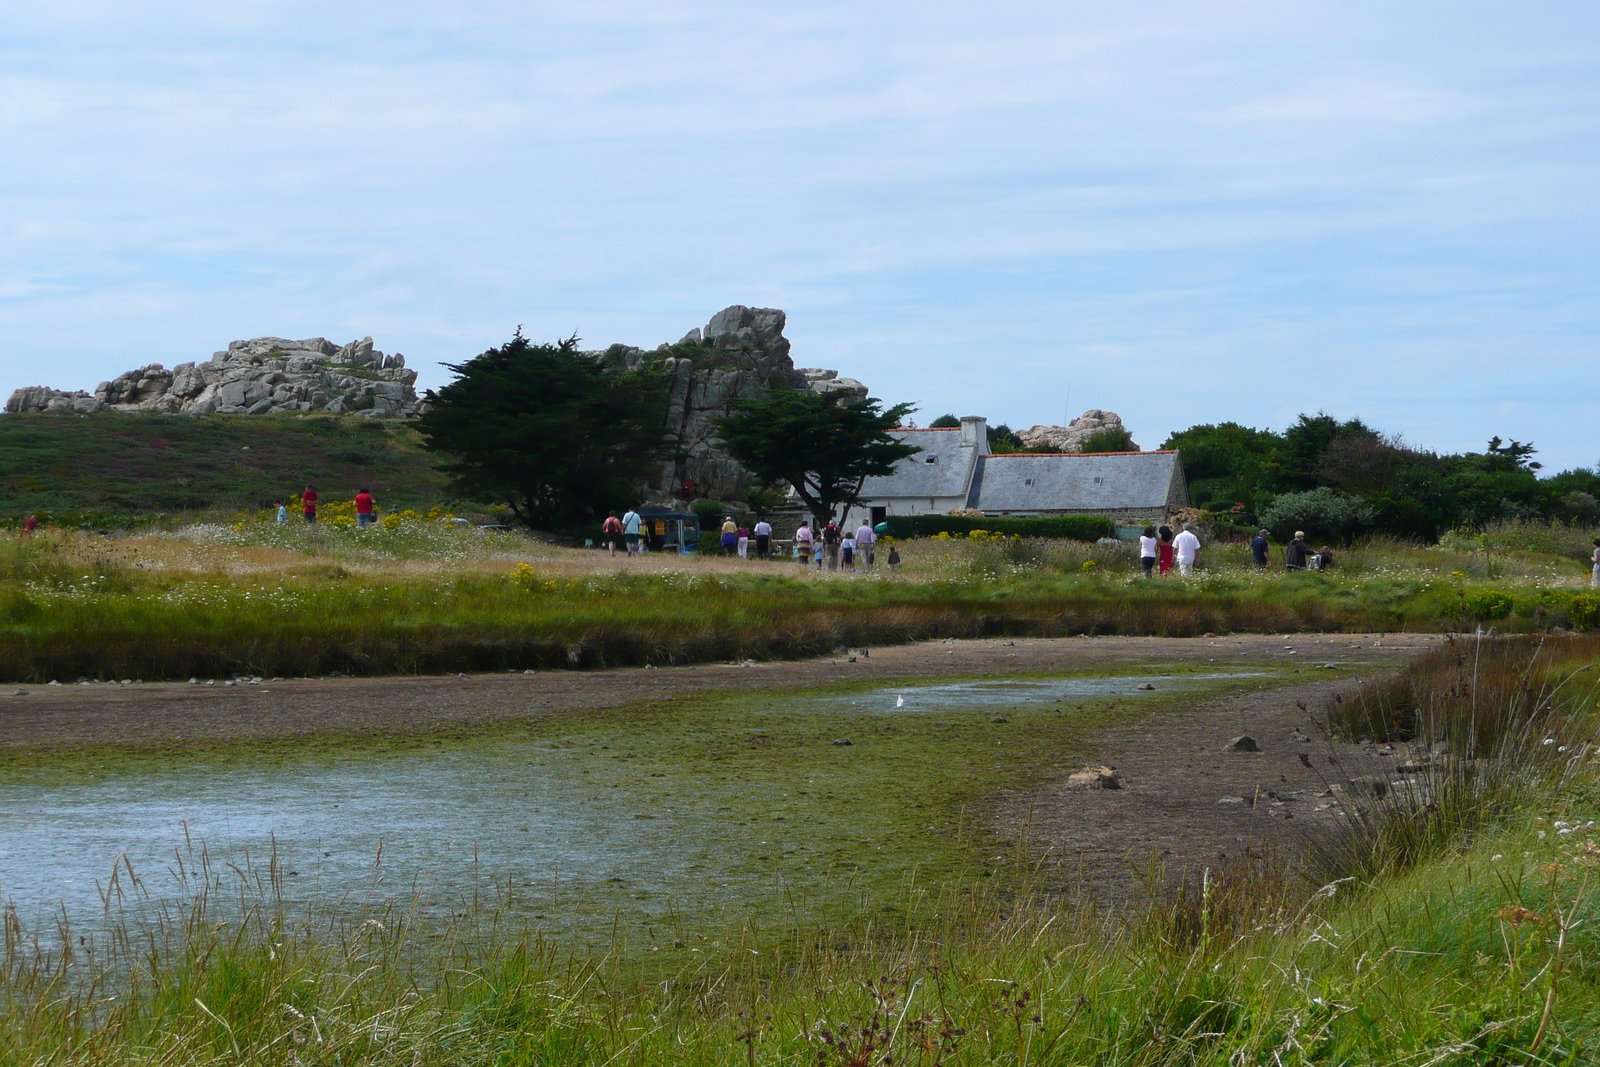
x=1468 y=938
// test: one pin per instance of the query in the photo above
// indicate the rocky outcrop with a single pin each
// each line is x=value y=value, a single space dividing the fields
x=261 y=376
x=1070 y=438
x=741 y=354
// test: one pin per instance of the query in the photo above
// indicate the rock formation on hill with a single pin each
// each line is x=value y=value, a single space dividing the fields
x=741 y=354
x=265 y=375
x=1070 y=438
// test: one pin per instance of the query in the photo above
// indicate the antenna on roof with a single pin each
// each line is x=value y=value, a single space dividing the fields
x=1066 y=418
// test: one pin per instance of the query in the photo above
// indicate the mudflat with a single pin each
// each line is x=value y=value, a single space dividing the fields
x=156 y=714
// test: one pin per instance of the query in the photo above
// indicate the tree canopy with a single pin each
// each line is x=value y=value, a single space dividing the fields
x=1399 y=489
x=546 y=430
x=825 y=445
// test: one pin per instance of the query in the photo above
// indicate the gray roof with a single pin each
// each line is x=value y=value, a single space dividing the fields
x=1129 y=481
x=947 y=476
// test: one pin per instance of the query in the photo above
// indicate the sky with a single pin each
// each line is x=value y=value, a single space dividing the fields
x=1183 y=213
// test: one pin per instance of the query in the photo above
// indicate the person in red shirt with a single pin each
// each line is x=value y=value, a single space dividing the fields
x=308 y=502
x=30 y=524
x=364 y=506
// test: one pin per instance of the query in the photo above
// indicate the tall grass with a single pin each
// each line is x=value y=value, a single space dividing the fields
x=1480 y=949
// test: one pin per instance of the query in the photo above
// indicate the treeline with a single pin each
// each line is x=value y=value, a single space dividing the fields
x=1340 y=479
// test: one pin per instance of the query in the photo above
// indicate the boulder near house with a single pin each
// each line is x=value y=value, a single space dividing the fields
x=954 y=469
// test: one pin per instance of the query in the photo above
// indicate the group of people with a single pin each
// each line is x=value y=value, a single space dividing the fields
x=834 y=547
x=366 y=507
x=1160 y=549
x=736 y=538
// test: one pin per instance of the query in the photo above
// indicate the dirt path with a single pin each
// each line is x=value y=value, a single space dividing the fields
x=159 y=714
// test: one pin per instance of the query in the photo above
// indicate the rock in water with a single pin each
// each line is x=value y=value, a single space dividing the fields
x=1070 y=438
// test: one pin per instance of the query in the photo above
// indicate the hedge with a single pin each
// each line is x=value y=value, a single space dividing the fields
x=1069 y=527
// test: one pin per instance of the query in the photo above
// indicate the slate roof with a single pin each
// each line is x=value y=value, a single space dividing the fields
x=1031 y=481
x=949 y=474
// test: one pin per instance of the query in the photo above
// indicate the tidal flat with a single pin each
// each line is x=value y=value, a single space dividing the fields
x=638 y=824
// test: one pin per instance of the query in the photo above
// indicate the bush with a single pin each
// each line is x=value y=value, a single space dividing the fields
x=1323 y=514
x=1487 y=604
x=1070 y=527
x=1584 y=611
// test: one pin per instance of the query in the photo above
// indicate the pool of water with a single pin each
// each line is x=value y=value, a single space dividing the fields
x=983 y=695
x=644 y=818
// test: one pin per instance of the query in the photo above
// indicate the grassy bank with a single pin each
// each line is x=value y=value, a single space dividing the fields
x=112 y=470
x=1473 y=943
x=421 y=598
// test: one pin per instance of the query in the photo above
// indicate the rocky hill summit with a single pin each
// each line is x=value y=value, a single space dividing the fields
x=1070 y=438
x=741 y=354
x=261 y=376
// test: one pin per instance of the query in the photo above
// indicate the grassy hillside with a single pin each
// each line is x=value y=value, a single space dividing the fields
x=113 y=468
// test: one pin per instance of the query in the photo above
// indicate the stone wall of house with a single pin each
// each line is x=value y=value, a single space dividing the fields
x=261 y=376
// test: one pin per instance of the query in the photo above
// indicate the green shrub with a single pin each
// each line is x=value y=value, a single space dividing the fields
x=1070 y=527
x=1487 y=604
x=1584 y=611
x=1321 y=513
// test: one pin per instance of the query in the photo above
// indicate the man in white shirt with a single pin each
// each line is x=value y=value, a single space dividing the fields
x=630 y=531
x=866 y=545
x=1186 y=547
x=763 y=532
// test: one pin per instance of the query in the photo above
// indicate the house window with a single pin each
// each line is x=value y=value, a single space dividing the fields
x=1097 y=481
x=1025 y=481
x=931 y=459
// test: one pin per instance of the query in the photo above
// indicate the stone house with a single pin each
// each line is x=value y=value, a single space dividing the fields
x=954 y=469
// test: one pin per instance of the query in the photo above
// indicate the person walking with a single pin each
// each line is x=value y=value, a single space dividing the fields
x=1186 y=546
x=364 y=506
x=308 y=504
x=730 y=536
x=763 y=538
x=894 y=559
x=1148 y=549
x=866 y=546
x=1296 y=554
x=802 y=544
x=630 y=531
x=1164 y=551
x=283 y=514
x=744 y=541
x=847 y=552
x=1594 y=558
x=611 y=532
x=830 y=545
x=1258 y=549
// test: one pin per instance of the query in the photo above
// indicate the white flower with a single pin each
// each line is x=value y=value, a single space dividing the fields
x=1496 y=858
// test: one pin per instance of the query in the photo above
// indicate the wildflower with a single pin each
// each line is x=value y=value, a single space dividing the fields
x=1516 y=915
x=1497 y=857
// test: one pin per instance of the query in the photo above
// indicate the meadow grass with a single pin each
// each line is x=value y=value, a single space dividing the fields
x=1479 y=949
x=420 y=598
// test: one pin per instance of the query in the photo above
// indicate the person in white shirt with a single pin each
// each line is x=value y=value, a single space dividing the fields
x=866 y=546
x=630 y=531
x=1186 y=547
x=1148 y=549
x=763 y=532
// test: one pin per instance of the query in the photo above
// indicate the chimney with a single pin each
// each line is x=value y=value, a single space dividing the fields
x=975 y=432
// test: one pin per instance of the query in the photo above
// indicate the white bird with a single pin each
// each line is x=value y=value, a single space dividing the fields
x=899 y=701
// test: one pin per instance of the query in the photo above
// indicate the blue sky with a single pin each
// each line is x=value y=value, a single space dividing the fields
x=1180 y=212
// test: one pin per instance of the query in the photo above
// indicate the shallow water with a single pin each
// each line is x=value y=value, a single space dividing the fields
x=982 y=695
x=635 y=818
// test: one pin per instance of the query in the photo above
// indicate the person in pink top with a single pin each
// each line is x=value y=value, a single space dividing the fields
x=364 y=508
x=802 y=545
